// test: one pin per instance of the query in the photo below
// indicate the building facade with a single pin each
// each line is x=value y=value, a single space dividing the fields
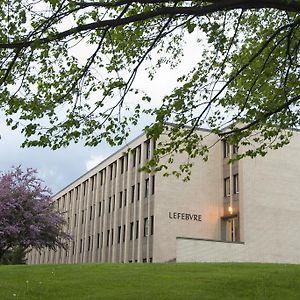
x=246 y=211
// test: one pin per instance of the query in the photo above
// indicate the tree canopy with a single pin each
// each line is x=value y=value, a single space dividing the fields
x=27 y=216
x=68 y=70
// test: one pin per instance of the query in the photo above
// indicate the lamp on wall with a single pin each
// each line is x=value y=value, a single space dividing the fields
x=230 y=209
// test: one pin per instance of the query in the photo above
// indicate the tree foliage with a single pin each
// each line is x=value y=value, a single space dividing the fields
x=27 y=216
x=68 y=70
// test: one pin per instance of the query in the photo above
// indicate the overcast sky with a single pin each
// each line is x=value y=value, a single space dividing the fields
x=59 y=168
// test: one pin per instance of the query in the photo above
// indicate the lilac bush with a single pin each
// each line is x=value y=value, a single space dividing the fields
x=27 y=215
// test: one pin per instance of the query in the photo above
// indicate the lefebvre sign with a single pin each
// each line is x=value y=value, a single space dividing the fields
x=185 y=216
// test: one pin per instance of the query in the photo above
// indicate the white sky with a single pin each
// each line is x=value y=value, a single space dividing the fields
x=61 y=167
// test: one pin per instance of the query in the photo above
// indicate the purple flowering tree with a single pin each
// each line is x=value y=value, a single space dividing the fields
x=27 y=215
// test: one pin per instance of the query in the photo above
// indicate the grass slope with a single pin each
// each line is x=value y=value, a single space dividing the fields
x=150 y=281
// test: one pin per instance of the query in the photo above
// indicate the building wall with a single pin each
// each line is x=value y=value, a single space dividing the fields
x=199 y=196
x=96 y=218
x=269 y=199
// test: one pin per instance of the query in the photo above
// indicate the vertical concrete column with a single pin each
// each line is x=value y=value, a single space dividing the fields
x=141 y=176
x=115 y=212
x=79 y=232
x=106 y=187
x=128 y=187
x=96 y=218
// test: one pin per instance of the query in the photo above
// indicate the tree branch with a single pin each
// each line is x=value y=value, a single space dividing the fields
x=217 y=6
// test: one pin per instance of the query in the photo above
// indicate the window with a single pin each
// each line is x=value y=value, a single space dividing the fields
x=81 y=246
x=124 y=231
x=112 y=236
x=137 y=230
x=91 y=212
x=126 y=162
x=103 y=206
x=153 y=185
x=111 y=171
x=82 y=216
x=146 y=187
x=226 y=148
x=139 y=154
x=109 y=204
x=93 y=182
x=107 y=238
x=75 y=220
x=133 y=157
x=132 y=193
x=89 y=243
x=236 y=183
x=98 y=240
x=119 y=234
x=152 y=225
x=138 y=191
x=84 y=187
x=146 y=227
x=131 y=231
x=227 y=187
x=122 y=164
x=235 y=149
x=114 y=203
x=102 y=178
x=120 y=199
x=147 y=144
x=125 y=197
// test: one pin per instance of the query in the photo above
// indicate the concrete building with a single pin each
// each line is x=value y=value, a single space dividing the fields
x=248 y=211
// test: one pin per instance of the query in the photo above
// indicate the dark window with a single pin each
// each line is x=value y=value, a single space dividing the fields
x=91 y=212
x=126 y=162
x=101 y=178
x=137 y=230
x=124 y=232
x=147 y=144
x=103 y=207
x=146 y=229
x=107 y=238
x=114 y=203
x=75 y=220
x=109 y=204
x=81 y=246
x=120 y=199
x=153 y=185
x=92 y=182
x=133 y=157
x=152 y=225
x=111 y=171
x=138 y=191
x=132 y=193
x=146 y=187
x=82 y=216
x=139 y=154
x=89 y=243
x=122 y=164
x=119 y=234
x=98 y=240
x=125 y=197
x=131 y=231
x=112 y=236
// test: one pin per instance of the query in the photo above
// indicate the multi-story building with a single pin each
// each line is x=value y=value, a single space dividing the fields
x=248 y=210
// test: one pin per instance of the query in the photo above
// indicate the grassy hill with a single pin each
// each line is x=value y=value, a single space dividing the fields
x=150 y=281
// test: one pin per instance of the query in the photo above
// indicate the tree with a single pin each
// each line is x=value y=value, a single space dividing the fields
x=246 y=77
x=27 y=216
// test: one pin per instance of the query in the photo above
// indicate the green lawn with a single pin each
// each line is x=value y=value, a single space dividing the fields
x=150 y=281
